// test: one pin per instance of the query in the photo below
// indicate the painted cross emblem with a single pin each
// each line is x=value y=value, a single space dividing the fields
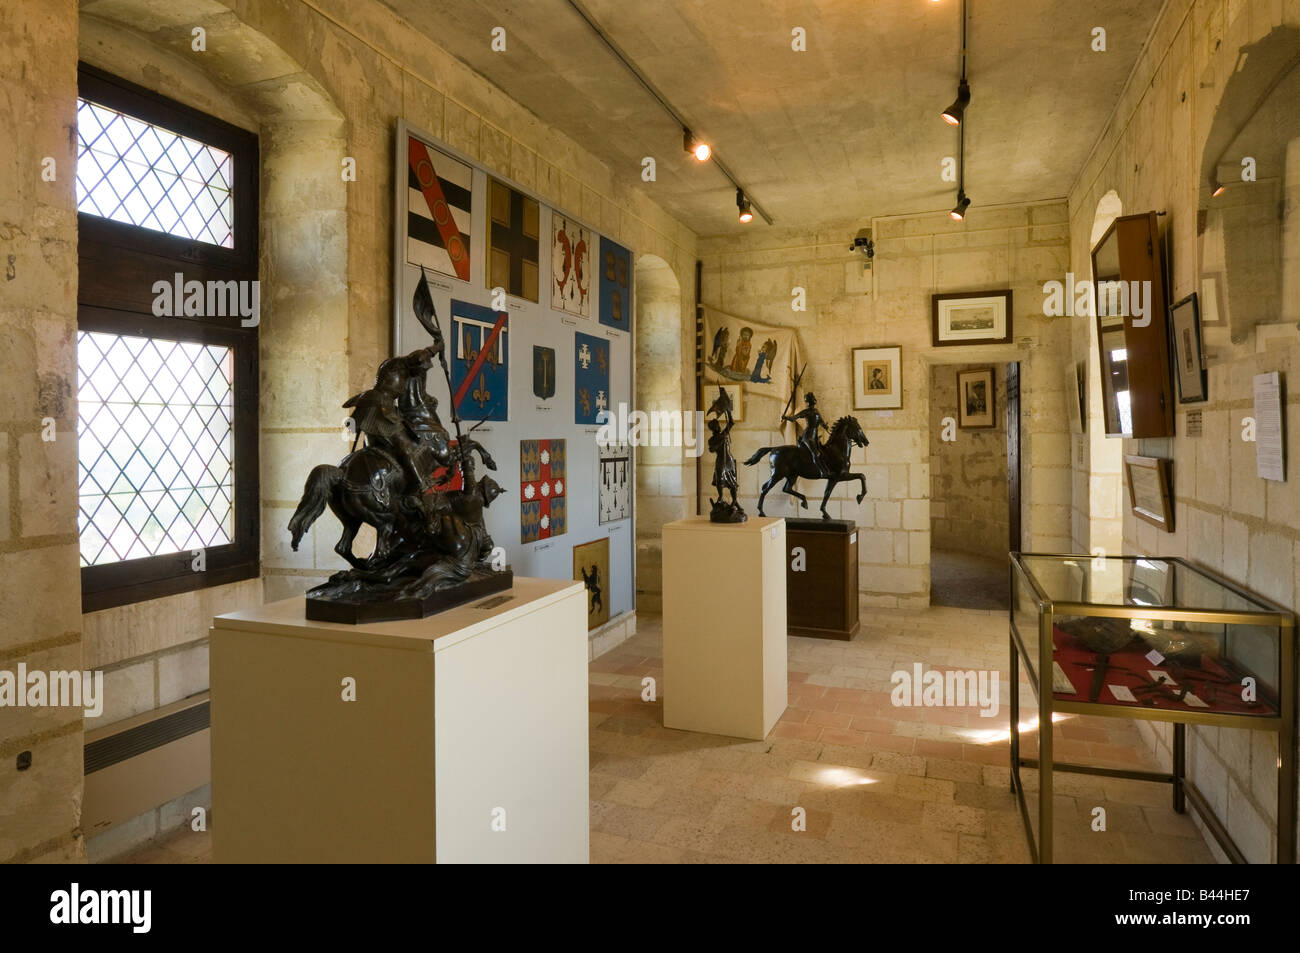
x=584 y=357
x=602 y=403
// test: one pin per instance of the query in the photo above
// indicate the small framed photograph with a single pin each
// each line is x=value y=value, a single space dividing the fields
x=976 y=399
x=1149 y=494
x=982 y=317
x=1189 y=364
x=737 y=394
x=877 y=378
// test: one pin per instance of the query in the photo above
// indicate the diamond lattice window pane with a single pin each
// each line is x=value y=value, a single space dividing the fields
x=131 y=171
x=155 y=446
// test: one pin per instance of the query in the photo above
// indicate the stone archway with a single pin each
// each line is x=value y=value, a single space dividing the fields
x=1105 y=455
x=245 y=77
x=660 y=470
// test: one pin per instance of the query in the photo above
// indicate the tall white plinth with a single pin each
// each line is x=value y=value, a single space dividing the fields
x=466 y=741
x=724 y=626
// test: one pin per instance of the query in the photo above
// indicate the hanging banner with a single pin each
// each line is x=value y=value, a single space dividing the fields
x=737 y=350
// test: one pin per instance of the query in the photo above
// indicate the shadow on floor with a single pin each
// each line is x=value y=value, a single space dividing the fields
x=964 y=581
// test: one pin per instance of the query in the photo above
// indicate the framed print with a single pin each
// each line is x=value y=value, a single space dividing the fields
x=591 y=567
x=970 y=318
x=737 y=394
x=1149 y=497
x=877 y=378
x=977 y=399
x=1189 y=364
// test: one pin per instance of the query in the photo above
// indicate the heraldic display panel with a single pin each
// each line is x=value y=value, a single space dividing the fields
x=536 y=310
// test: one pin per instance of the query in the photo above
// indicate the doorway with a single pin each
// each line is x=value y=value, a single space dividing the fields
x=974 y=482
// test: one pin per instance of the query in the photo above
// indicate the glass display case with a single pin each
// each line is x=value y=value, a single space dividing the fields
x=1157 y=639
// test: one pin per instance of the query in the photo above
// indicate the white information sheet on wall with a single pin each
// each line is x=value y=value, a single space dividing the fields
x=1270 y=462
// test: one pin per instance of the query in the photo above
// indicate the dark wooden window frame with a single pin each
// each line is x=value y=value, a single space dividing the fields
x=118 y=264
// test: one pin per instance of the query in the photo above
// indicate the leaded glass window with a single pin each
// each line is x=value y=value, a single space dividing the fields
x=167 y=400
x=132 y=171
x=155 y=446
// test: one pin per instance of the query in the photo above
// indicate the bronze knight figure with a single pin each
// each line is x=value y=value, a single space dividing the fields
x=432 y=547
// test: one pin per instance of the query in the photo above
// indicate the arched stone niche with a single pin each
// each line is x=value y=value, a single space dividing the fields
x=659 y=472
x=1249 y=192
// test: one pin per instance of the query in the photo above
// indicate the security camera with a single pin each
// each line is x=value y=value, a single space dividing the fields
x=863 y=244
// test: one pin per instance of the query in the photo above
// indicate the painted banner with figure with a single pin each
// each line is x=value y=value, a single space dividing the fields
x=737 y=350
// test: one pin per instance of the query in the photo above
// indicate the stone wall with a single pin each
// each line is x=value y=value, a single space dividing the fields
x=318 y=81
x=40 y=585
x=968 y=474
x=1018 y=247
x=1226 y=518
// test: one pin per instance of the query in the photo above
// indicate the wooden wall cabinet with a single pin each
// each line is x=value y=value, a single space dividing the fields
x=1136 y=389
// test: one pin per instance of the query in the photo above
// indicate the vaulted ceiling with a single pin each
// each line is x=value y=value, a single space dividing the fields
x=849 y=128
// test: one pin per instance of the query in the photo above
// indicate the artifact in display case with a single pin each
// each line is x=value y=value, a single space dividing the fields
x=1156 y=639
x=415 y=485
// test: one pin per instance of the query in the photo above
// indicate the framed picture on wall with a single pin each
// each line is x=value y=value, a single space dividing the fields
x=877 y=378
x=977 y=399
x=1189 y=363
x=1149 y=494
x=981 y=317
x=737 y=394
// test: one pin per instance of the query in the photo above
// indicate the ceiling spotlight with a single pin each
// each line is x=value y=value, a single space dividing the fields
x=696 y=147
x=1218 y=189
x=958 y=212
x=742 y=203
x=952 y=115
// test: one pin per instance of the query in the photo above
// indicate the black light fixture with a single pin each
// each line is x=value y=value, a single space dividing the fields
x=958 y=212
x=746 y=210
x=696 y=147
x=952 y=115
x=702 y=151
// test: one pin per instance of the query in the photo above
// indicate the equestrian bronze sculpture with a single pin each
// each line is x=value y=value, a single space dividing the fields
x=416 y=486
x=811 y=458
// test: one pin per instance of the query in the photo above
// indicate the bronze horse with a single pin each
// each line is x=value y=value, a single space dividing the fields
x=369 y=486
x=791 y=461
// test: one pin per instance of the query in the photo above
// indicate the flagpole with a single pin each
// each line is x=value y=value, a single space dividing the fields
x=442 y=359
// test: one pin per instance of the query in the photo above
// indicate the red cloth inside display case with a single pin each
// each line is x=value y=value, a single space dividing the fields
x=1150 y=685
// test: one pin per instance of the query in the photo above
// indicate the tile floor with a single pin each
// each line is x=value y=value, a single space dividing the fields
x=967 y=581
x=877 y=784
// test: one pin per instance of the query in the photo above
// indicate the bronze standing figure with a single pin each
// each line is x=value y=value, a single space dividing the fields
x=724 y=465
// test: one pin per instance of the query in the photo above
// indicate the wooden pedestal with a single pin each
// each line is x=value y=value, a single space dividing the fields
x=822 y=596
x=724 y=626
x=466 y=741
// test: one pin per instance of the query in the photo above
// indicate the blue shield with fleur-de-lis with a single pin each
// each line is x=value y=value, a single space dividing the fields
x=543 y=372
x=479 y=360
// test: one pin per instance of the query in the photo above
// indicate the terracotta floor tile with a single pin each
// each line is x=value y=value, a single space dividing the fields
x=843 y=736
x=878 y=783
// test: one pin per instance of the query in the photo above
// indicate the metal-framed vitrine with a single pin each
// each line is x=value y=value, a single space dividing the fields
x=1156 y=639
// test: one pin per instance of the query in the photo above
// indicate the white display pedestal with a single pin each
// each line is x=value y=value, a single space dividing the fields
x=471 y=720
x=724 y=625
